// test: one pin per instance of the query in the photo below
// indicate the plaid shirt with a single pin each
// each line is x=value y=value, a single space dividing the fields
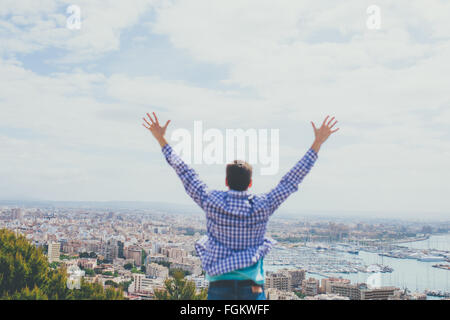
x=236 y=221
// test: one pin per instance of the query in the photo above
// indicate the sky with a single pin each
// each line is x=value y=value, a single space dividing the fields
x=72 y=100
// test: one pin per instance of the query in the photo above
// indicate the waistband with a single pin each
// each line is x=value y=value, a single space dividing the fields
x=232 y=283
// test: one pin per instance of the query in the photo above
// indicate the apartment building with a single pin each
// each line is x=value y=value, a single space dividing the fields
x=53 y=251
x=382 y=293
x=141 y=283
x=279 y=280
x=297 y=276
x=325 y=286
x=200 y=281
x=87 y=263
x=310 y=287
x=134 y=253
x=352 y=291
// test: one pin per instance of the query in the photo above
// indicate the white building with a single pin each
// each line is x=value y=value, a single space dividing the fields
x=141 y=283
x=200 y=281
x=155 y=270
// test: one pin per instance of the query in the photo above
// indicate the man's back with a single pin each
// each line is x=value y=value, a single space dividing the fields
x=232 y=252
x=236 y=221
x=236 y=224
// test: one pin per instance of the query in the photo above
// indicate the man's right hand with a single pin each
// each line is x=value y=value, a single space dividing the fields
x=323 y=132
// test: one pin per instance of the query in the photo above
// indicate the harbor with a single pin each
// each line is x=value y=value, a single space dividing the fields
x=323 y=259
x=410 y=265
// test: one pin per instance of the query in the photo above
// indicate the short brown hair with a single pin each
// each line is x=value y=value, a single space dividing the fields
x=239 y=175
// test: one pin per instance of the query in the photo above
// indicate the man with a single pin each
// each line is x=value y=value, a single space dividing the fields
x=232 y=252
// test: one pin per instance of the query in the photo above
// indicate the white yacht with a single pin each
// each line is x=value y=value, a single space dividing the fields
x=428 y=258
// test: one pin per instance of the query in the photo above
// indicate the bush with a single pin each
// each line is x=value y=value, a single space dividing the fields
x=25 y=274
x=179 y=288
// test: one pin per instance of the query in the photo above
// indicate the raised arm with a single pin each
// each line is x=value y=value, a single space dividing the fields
x=290 y=182
x=194 y=187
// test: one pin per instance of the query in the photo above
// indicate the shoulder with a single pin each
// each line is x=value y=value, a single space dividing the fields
x=258 y=197
x=258 y=200
x=217 y=195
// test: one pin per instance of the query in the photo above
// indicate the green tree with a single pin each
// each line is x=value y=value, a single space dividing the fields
x=83 y=255
x=27 y=294
x=180 y=271
x=136 y=270
x=124 y=285
x=178 y=288
x=95 y=291
x=23 y=266
x=111 y=283
x=98 y=270
x=128 y=266
x=89 y=272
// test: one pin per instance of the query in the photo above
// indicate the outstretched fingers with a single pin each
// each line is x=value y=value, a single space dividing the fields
x=167 y=123
x=329 y=122
x=324 y=121
x=147 y=123
x=156 y=118
x=151 y=119
x=333 y=124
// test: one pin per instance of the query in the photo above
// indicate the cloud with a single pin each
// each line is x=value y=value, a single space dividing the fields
x=285 y=63
x=30 y=26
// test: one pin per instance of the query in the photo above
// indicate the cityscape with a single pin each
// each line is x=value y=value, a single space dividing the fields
x=138 y=249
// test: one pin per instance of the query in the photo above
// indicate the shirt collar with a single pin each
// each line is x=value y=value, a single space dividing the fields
x=238 y=194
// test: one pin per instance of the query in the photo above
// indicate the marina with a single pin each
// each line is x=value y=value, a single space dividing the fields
x=411 y=265
x=323 y=259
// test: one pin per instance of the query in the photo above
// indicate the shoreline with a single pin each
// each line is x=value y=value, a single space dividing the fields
x=412 y=240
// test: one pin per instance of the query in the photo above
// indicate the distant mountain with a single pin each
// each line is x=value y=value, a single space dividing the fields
x=113 y=205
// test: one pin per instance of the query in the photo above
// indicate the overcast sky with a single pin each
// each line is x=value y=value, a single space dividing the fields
x=71 y=101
